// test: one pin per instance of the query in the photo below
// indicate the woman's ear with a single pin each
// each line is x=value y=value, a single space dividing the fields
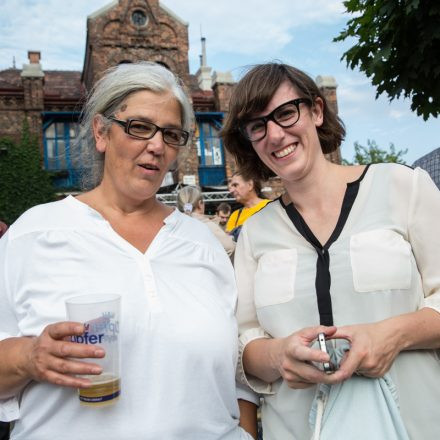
x=318 y=112
x=100 y=133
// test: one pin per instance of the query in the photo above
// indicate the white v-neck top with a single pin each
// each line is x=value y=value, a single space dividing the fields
x=178 y=331
x=385 y=261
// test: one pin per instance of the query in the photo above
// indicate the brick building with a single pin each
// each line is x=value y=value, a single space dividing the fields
x=124 y=31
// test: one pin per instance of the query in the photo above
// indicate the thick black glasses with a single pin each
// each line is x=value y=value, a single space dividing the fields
x=285 y=116
x=146 y=130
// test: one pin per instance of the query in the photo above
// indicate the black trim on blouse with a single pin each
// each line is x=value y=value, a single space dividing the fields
x=323 y=278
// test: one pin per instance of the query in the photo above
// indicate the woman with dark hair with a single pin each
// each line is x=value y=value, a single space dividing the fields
x=348 y=253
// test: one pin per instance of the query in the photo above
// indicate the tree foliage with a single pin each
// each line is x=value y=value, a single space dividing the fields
x=398 y=47
x=373 y=154
x=23 y=183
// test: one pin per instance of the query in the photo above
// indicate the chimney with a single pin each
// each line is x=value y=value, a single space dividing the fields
x=33 y=69
x=204 y=52
x=204 y=73
x=34 y=56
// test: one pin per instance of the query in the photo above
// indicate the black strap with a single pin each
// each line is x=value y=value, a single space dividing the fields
x=238 y=217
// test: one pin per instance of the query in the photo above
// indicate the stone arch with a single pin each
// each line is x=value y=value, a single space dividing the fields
x=168 y=35
x=112 y=28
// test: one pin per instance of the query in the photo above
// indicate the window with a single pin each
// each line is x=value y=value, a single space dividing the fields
x=58 y=137
x=209 y=146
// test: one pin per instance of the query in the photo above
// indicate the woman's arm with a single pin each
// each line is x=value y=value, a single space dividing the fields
x=46 y=358
x=248 y=417
x=375 y=346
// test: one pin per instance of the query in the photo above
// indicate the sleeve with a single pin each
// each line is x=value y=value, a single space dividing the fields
x=248 y=325
x=245 y=393
x=9 y=408
x=424 y=235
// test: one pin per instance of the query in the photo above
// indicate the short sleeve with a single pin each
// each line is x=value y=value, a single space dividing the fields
x=424 y=235
x=248 y=325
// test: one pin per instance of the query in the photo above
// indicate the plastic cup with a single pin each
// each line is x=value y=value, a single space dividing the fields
x=100 y=315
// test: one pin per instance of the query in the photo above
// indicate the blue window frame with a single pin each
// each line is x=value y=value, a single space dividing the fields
x=210 y=149
x=58 y=137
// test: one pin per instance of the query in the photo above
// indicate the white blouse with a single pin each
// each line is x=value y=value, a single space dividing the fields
x=384 y=261
x=179 y=335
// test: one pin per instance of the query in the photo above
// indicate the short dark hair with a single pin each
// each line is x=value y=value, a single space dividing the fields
x=252 y=94
x=224 y=207
x=248 y=176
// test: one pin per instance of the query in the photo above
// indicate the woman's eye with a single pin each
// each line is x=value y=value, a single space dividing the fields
x=139 y=127
x=255 y=127
x=172 y=135
x=286 y=113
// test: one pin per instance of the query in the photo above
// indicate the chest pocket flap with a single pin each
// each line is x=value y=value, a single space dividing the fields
x=380 y=260
x=275 y=277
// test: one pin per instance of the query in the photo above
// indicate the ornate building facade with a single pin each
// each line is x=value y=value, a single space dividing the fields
x=124 y=31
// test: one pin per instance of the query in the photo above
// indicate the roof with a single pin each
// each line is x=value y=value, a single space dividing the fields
x=63 y=84
x=431 y=163
x=10 y=79
x=58 y=84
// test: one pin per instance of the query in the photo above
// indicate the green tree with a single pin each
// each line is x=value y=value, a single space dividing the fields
x=398 y=47
x=23 y=183
x=373 y=154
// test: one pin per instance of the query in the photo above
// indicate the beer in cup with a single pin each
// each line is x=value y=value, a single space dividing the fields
x=100 y=315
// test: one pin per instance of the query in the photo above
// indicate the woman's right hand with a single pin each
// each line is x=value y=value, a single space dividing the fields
x=295 y=356
x=52 y=357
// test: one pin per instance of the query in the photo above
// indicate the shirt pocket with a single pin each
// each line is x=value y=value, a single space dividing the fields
x=380 y=260
x=275 y=277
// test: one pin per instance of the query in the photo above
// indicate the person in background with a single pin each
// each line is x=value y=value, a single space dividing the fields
x=247 y=191
x=3 y=228
x=178 y=294
x=348 y=251
x=190 y=201
x=222 y=214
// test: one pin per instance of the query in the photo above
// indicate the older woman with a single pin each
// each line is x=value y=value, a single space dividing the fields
x=190 y=201
x=353 y=248
x=178 y=332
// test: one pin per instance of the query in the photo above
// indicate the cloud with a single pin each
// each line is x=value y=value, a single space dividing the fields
x=397 y=114
x=250 y=27
x=56 y=28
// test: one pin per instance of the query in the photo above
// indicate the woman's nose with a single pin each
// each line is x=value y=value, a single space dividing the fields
x=156 y=144
x=274 y=132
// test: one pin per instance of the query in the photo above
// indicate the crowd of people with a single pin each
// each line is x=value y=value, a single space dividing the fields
x=222 y=315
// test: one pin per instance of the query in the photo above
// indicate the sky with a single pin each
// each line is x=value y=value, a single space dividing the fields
x=238 y=34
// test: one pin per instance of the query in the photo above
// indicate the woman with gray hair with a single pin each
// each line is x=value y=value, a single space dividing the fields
x=178 y=333
x=190 y=201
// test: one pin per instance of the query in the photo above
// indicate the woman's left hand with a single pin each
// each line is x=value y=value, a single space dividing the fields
x=373 y=348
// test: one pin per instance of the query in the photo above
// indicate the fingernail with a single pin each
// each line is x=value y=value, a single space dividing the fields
x=79 y=329
x=96 y=370
x=99 y=352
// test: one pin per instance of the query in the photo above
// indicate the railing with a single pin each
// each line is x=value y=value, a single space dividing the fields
x=214 y=196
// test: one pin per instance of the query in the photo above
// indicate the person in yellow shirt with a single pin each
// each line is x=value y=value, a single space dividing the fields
x=247 y=192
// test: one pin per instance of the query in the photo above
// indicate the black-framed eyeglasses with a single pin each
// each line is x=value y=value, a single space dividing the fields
x=146 y=130
x=285 y=115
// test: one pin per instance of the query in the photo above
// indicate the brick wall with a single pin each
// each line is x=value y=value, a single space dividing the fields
x=114 y=38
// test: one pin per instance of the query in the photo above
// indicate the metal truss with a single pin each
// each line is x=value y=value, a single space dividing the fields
x=208 y=197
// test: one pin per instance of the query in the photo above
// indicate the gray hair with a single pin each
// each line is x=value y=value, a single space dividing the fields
x=188 y=198
x=106 y=97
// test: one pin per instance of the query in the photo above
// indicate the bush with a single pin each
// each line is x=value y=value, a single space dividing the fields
x=23 y=183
